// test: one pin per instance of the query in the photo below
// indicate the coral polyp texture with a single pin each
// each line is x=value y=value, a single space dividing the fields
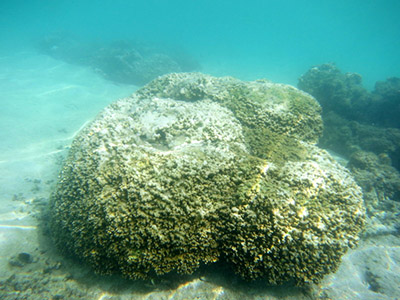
x=192 y=169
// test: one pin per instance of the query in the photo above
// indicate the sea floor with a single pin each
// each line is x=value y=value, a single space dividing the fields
x=44 y=103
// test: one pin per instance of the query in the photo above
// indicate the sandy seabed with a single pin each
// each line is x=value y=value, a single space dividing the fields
x=44 y=103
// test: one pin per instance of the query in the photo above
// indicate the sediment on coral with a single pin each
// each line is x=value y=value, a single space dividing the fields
x=192 y=168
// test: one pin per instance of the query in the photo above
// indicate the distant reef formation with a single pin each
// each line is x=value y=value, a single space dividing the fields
x=128 y=62
x=364 y=127
x=193 y=169
x=354 y=118
x=345 y=95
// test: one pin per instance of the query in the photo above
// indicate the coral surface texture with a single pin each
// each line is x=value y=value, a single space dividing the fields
x=194 y=169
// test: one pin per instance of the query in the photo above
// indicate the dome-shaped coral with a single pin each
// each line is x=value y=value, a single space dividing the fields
x=192 y=168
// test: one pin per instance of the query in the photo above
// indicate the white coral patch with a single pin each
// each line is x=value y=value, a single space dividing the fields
x=303 y=212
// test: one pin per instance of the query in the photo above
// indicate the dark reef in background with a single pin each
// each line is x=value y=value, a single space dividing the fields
x=386 y=106
x=354 y=118
x=128 y=62
x=336 y=92
x=344 y=95
x=364 y=127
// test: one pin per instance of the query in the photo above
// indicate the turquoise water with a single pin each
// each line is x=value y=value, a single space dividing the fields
x=278 y=40
x=57 y=72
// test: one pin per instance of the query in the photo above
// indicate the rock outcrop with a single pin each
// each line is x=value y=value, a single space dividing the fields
x=192 y=169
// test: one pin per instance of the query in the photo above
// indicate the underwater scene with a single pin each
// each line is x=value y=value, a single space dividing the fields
x=209 y=150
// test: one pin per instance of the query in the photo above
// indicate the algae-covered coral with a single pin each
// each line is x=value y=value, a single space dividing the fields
x=192 y=169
